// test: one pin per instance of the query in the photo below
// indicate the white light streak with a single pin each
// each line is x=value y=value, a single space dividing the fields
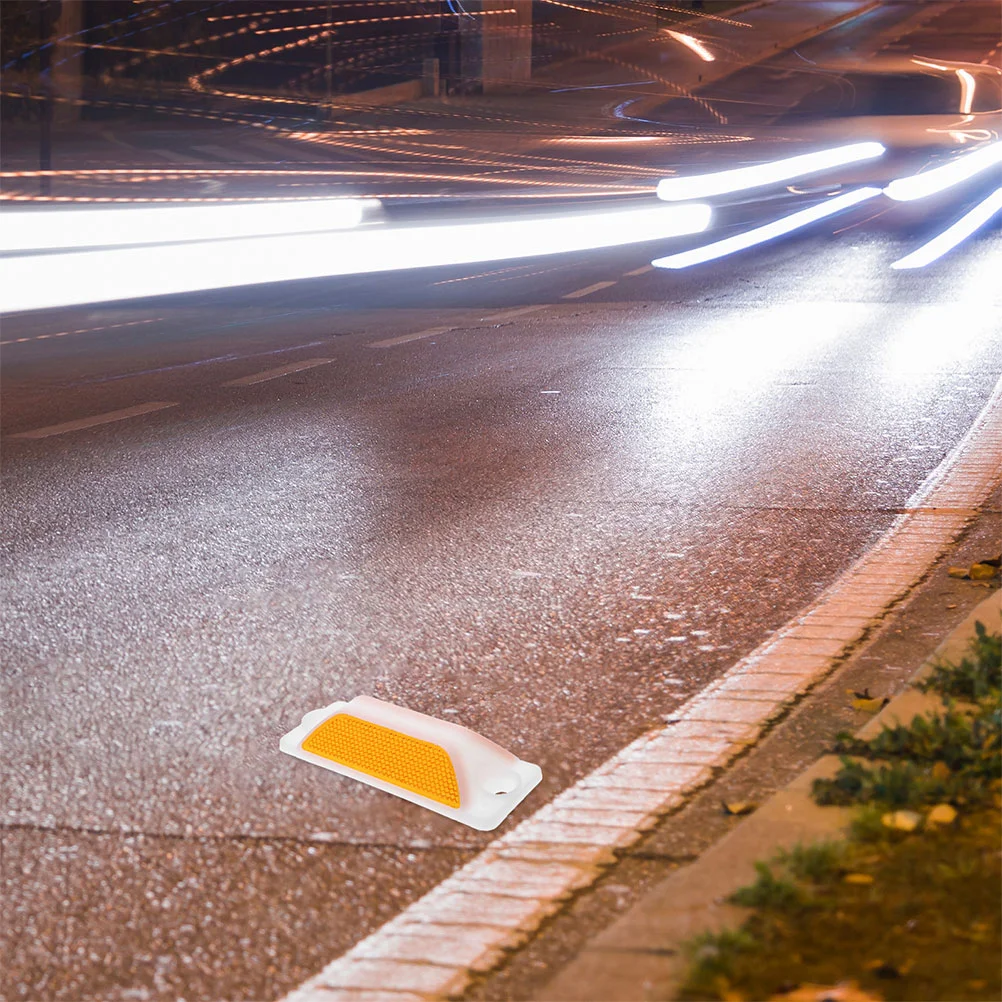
x=954 y=235
x=46 y=229
x=678 y=189
x=762 y=234
x=105 y=275
x=692 y=43
x=908 y=189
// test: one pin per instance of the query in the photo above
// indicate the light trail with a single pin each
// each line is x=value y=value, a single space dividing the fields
x=762 y=234
x=108 y=275
x=678 y=189
x=932 y=182
x=693 y=44
x=61 y=228
x=953 y=236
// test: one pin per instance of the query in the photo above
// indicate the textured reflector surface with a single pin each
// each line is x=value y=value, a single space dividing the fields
x=410 y=763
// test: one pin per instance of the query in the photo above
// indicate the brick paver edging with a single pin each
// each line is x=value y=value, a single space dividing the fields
x=495 y=902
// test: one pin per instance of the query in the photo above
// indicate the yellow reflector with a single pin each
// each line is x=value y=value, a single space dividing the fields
x=434 y=763
x=410 y=763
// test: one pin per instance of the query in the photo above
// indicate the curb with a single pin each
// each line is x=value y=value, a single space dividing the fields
x=493 y=904
x=642 y=954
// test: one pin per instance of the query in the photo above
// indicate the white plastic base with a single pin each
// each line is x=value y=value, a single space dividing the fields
x=492 y=781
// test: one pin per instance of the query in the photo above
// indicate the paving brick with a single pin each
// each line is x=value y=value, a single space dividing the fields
x=558 y=831
x=522 y=879
x=391 y=975
x=765 y=682
x=747 y=711
x=564 y=852
x=653 y=776
x=454 y=908
x=475 y=947
x=808 y=645
x=615 y=799
x=733 y=730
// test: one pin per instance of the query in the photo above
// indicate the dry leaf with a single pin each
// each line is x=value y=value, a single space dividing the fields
x=845 y=991
x=858 y=878
x=902 y=821
x=941 y=771
x=981 y=572
x=958 y=572
x=738 y=807
x=942 y=814
x=870 y=705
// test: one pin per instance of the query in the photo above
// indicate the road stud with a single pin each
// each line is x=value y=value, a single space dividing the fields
x=433 y=763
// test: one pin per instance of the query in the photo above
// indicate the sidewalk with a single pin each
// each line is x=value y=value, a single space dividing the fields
x=641 y=955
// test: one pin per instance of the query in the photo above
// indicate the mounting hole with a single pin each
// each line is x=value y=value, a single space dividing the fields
x=504 y=784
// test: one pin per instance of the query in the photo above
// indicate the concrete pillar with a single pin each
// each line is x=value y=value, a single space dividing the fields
x=67 y=61
x=507 y=44
x=496 y=47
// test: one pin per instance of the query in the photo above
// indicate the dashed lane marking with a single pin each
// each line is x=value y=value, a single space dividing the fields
x=501 y=897
x=588 y=290
x=282 y=370
x=638 y=271
x=392 y=342
x=90 y=422
x=80 y=330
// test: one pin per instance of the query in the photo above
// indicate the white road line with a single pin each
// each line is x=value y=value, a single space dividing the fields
x=90 y=422
x=282 y=370
x=587 y=290
x=433 y=948
x=80 y=330
x=638 y=271
x=518 y=311
x=391 y=342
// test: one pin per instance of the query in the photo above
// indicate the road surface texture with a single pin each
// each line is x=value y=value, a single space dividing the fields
x=549 y=500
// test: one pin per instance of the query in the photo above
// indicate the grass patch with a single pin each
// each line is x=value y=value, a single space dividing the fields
x=904 y=915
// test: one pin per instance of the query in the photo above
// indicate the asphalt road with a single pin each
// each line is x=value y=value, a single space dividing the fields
x=552 y=526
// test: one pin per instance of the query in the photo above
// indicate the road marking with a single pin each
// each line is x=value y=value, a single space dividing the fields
x=501 y=897
x=80 y=330
x=638 y=271
x=587 y=290
x=282 y=370
x=518 y=311
x=90 y=422
x=391 y=342
x=230 y=156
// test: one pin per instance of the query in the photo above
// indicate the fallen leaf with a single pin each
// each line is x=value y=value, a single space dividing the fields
x=952 y=605
x=941 y=771
x=738 y=807
x=941 y=814
x=958 y=572
x=976 y=984
x=868 y=705
x=858 y=878
x=845 y=991
x=902 y=821
x=992 y=561
x=982 y=571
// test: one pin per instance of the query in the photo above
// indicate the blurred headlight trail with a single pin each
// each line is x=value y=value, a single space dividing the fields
x=953 y=236
x=908 y=189
x=44 y=281
x=679 y=189
x=761 y=234
x=68 y=228
x=692 y=43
